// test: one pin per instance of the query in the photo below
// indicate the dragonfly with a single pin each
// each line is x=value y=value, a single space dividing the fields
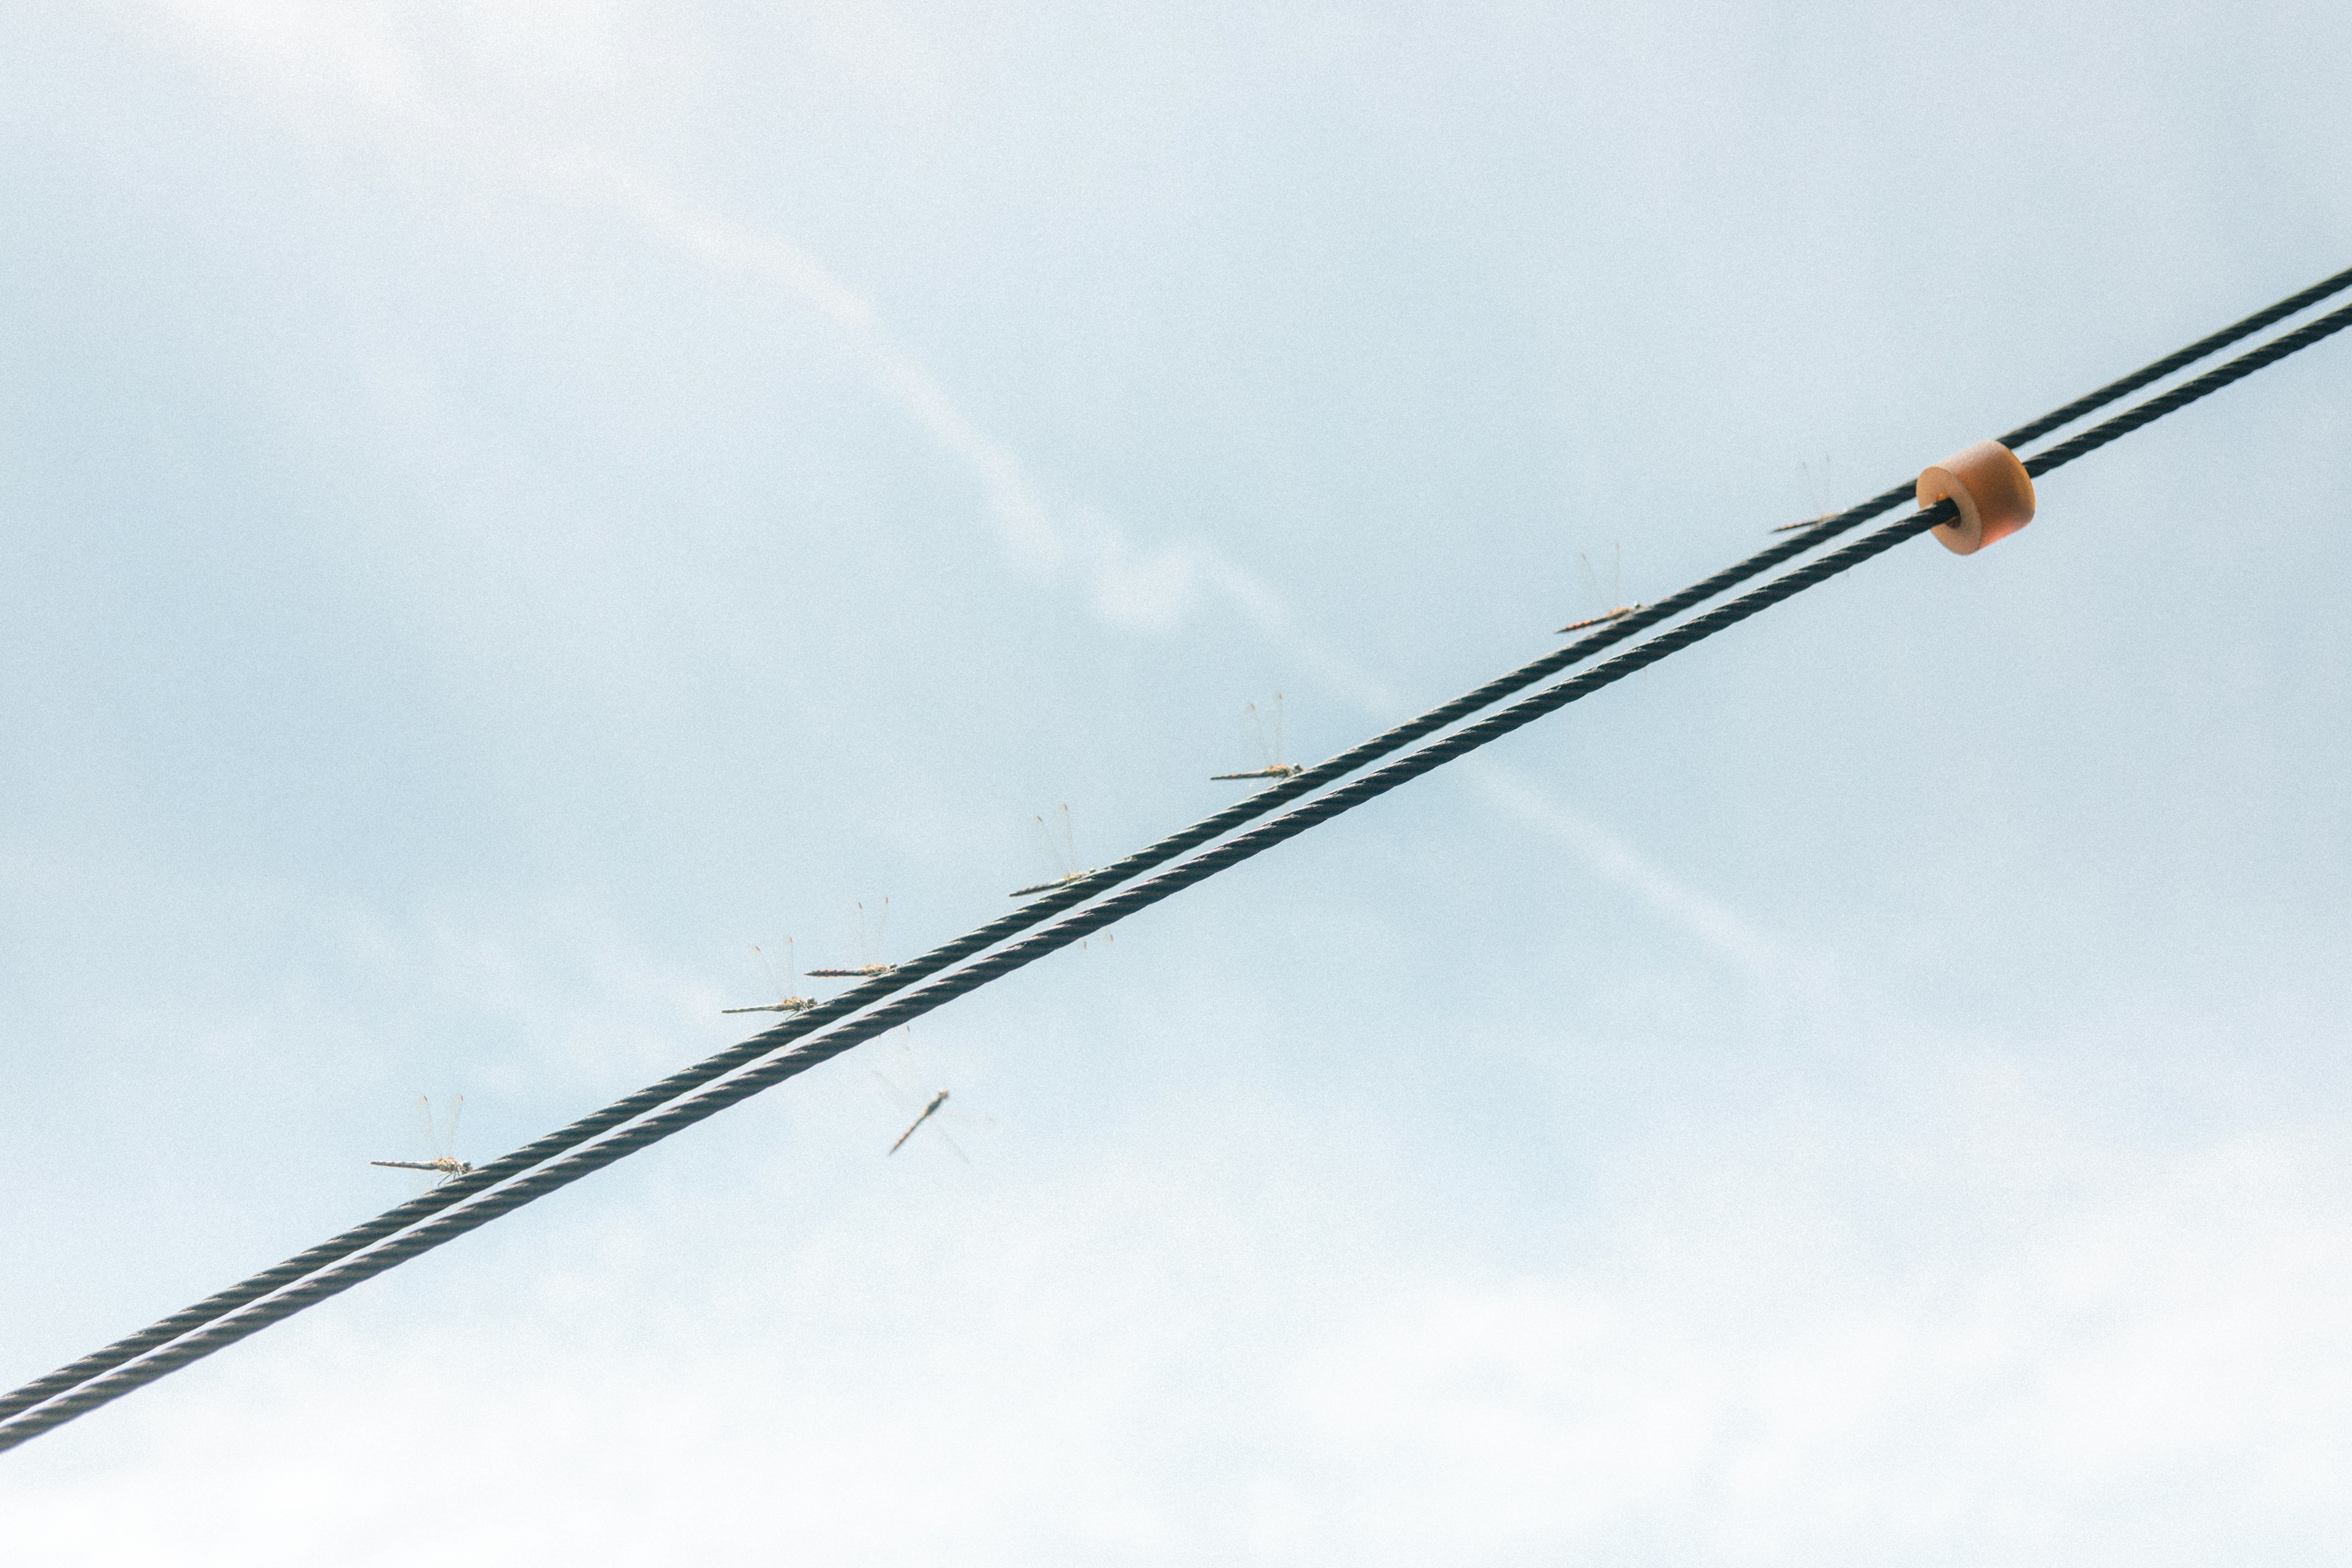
x=1061 y=854
x=867 y=967
x=1825 y=493
x=936 y=1100
x=1615 y=609
x=927 y=1110
x=1275 y=768
x=785 y=1001
x=441 y=1137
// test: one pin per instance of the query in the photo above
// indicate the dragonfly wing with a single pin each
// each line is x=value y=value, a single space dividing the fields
x=1257 y=732
x=898 y=1096
x=1591 y=584
x=1046 y=854
x=448 y=1150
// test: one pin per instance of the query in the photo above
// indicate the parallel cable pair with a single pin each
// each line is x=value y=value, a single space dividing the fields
x=564 y=1156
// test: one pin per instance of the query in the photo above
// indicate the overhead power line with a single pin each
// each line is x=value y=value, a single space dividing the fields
x=573 y=1152
x=913 y=972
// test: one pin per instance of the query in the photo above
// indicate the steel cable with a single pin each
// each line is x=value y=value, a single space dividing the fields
x=2177 y=359
x=98 y=1381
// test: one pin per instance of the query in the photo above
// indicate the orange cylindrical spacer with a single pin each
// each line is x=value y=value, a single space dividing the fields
x=1990 y=487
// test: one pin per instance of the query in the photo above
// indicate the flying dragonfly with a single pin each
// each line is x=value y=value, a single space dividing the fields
x=894 y=1084
x=439 y=1137
x=1615 y=609
x=1275 y=768
x=936 y=1100
x=785 y=1001
x=867 y=967
x=1060 y=855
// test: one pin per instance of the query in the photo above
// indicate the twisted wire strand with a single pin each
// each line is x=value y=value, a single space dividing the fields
x=914 y=971
x=687 y=1112
x=2177 y=359
x=718 y=1066
x=711 y=1069
x=2188 y=392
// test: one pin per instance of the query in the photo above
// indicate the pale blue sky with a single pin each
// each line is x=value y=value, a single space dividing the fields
x=504 y=512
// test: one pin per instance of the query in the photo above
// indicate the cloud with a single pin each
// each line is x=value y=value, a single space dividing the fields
x=1127 y=584
x=1715 y=924
x=2139 y=1366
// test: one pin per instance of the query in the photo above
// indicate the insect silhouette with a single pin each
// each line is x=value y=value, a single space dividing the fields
x=893 y=1085
x=1270 y=748
x=1824 y=491
x=1061 y=854
x=441 y=1138
x=867 y=965
x=936 y=1100
x=1613 y=608
x=785 y=1001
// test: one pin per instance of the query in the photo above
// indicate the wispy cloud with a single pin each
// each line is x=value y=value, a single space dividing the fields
x=1710 y=919
x=1131 y=584
x=2140 y=1366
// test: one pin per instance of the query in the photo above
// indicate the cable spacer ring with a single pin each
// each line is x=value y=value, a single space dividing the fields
x=1990 y=487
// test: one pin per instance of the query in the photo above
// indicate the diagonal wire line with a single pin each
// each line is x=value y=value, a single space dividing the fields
x=775 y=1069
x=913 y=972
x=710 y=1069
x=393 y=1220
x=2177 y=359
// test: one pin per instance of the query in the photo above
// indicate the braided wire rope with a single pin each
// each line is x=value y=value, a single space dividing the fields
x=2177 y=359
x=710 y=1069
x=96 y=1380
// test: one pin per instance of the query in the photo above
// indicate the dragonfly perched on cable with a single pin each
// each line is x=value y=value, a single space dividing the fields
x=1271 y=749
x=1825 y=493
x=1613 y=608
x=441 y=1138
x=867 y=967
x=1061 y=854
x=785 y=1001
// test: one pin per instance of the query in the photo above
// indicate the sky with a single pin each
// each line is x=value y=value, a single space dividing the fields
x=504 y=510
